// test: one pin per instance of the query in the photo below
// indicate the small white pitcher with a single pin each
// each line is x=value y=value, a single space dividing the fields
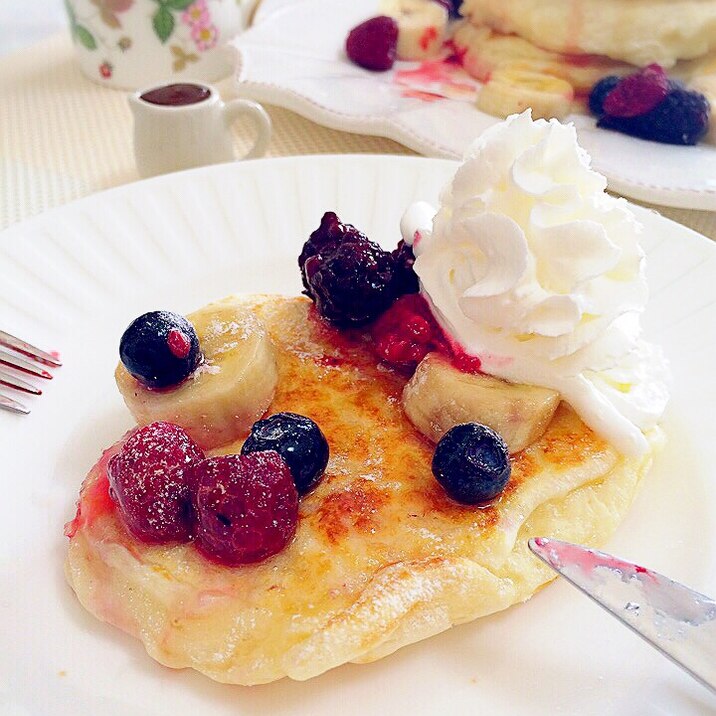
x=187 y=125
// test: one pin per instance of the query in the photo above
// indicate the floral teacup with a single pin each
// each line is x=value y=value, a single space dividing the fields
x=135 y=43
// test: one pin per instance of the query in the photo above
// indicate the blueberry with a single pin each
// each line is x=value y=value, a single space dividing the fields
x=599 y=93
x=298 y=440
x=682 y=118
x=472 y=463
x=160 y=349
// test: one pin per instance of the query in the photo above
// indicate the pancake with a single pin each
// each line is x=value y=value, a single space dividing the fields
x=635 y=31
x=381 y=558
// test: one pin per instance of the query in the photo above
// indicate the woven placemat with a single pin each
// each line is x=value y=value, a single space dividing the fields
x=63 y=137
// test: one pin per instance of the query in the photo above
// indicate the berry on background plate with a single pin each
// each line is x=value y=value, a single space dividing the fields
x=682 y=118
x=373 y=44
x=648 y=105
x=637 y=94
x=599 y=93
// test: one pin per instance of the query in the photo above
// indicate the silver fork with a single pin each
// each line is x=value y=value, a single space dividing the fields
x=17 y=363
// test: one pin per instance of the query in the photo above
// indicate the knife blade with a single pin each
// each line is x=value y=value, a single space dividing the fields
x=676 y=620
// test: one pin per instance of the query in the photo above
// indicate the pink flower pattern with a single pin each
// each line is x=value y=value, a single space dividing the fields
x=205 y=36
x=204 y=33
x=196 y=14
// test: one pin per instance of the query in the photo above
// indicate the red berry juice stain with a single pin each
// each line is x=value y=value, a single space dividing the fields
x=94 y=498
x=330 y=361
x=177 y=95
x=437 y=79
x=459 y=357
x=178 y=343
x=430 y=34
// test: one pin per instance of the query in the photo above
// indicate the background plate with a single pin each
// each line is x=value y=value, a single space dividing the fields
x=293 y=57
x=72 y=280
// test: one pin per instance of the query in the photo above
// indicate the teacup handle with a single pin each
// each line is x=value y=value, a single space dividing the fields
x=241 y=107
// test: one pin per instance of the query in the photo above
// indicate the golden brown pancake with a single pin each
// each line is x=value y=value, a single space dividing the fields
x=381 y=558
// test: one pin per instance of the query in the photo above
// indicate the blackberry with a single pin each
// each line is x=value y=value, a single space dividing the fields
x=349 y=277
x=325 y=239
x=406 y=280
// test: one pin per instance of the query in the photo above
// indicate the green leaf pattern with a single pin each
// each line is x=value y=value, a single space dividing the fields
x=163 y=22
x=80 y=32
x=85 y=37
x=177 y=4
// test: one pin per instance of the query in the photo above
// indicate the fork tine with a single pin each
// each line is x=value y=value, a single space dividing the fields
x=12 y=382
x=26 y=349
x=12 y=405
x=25 y=366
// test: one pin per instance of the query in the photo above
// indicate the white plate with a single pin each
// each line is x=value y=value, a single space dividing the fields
x=294 y=57
x=72 y=279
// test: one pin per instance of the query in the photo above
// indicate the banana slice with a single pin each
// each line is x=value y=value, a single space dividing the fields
x=227 y=393
x=484 y=52
x=439 y=396
x=511 y=91
x=422 y=26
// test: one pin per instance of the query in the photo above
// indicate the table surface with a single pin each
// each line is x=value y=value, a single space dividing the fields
x=63 y=137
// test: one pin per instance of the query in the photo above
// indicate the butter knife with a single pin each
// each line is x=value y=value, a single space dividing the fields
x=674 y=619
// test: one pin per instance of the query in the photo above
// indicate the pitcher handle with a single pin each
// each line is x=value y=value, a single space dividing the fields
x=242 y=107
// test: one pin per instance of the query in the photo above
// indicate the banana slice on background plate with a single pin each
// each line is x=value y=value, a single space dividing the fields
x=512 y=90
x=422 y=26
x=484 y=52
x=227 y=393
x=439 y=396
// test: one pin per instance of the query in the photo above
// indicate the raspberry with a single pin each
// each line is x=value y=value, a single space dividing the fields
x=405 y=280
x=247 y=507
x=682 y=118
x=373 y=44
x=148 y=482
x=637 y=94
x=349 y=277
x=406 y=333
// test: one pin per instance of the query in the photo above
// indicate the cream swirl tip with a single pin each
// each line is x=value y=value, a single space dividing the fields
x=531 y=266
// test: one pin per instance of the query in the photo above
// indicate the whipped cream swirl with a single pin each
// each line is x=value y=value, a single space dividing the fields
x=531 y=266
